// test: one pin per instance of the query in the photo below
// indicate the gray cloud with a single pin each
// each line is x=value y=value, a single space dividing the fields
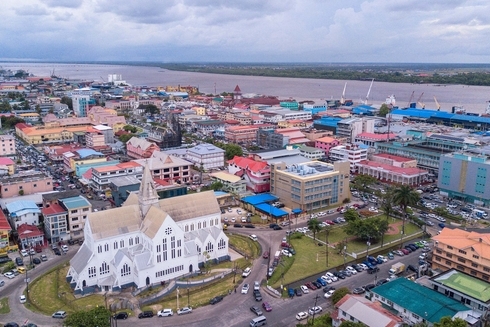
x=63 y=3
x=32 y=10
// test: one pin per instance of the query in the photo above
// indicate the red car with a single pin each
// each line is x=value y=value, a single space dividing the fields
x=267 y=307
x=310 y=286
x=329 y=222
x=265 y=255
x=340 y=208
x=405 y=251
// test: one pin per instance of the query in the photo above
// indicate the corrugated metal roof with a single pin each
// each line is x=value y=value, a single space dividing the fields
x=75 y=202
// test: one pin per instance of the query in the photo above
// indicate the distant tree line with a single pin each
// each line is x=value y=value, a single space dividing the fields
x=381 y=74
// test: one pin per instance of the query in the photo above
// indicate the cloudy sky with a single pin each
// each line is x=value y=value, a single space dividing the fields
x=439 y=31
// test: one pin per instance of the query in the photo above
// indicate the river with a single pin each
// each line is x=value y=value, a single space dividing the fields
x=473 y=98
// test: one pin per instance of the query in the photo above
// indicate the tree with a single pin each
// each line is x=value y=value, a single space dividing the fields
x=232 y=150
x=38 y=109
x=405 y=196
x=367 y=229
x=348 y=323
x=129 y=128
x=384 y=110
x=314 y=226
x=339 y=294
x=151 y=109
x=126 y=137
x=387 y=207
x=98 y=316
x=351 y=215
x=448 y=322
x=217 y=185
x=362 y=182
x=68 y=101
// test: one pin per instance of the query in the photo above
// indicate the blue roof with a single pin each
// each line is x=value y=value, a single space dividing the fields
x=469 y=118
x=206 y=148
x=260 y=198
x=83 y=153
x=297 y=210
x=443 y=114
x=219 y=193
x=328 y=121
x=421 y=113
x=75 y=202
x=273 y=211
x=18 y=208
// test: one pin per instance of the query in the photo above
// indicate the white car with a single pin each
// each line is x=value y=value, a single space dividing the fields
x=364 y=267
x=244 y=219
x=9 y=275
x=301 y=315
x=373 y=209
x=184 y=311
x=233 y=219
x=326 y=279
x=24 y=253
x=245 y=288
x=286 y=253
x=246 y=272
x=22 y=299
x=315 y=310
x=305 y=289
x=165 y=313
x=329 y=294
x=253 y=237
x=352 y=270
x=256 y=286
x=331 y=276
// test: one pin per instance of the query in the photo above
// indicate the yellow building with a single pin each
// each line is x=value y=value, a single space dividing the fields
x=43 y=135
x=201 y=111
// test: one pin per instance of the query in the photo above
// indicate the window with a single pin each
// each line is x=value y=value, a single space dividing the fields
x=461 y=251
x=209 y=247
x=125 y=270
x=168 y=231
x=106 y=247
x=121 y=243
x=99 y=249
x=487 y=269
x=221 y=244
x=172 y=246
x=131 y=241
x=449 y=263
x=461 y=260
x=164 y=242
x=449 y=247
x=449 y=255
x=485 y=277
x=115 y=245
x=92 y=272
x=73 y=211
x=204 y=224
x=137 y=240
x=199 y=225
x=104 y=268
x=35 y=185
x=475 y=256
x=186 y=228
x=474 y=265
x=473 y=272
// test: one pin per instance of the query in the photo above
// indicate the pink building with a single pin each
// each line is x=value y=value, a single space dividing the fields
x=326 y=143
x=27 y=182
x=139 y=148
x=7 y=145
x=256 y=174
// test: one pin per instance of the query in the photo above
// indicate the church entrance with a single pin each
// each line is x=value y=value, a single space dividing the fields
x=147 y=281
x=84 y=283
x=190 y=268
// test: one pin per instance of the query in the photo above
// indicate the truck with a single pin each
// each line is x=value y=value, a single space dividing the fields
x=397 y=268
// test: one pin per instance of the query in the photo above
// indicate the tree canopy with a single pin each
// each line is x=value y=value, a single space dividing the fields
x=367 y=229
x=384 y=110
x=448 y=322
x=362 y=182
x=314 y=225
x=339 y=294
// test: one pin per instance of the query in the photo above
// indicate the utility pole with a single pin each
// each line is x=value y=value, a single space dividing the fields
x=327 y=231
x=313 y=320
x=178 y=298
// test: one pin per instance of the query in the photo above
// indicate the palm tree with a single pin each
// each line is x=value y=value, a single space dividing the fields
x=314 y=226
x=405 y=196
x=387 y=207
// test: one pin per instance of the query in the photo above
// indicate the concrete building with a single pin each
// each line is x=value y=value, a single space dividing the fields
x=371 y=139
x=167 y=168
x=468 y=252
x=26 y=182
x=350 y=152
x=243 y=134
x=326 y=143
x=206 y=156
x=78 y=209
x=351 y=127
x=391 y=174
x=55 y=223
x=463 y=176
x=7 y=166
x=80 y=103
x=256 y=174
x=231 y=183
x=7 y=146
x=94 y=140
x=102 y=176
x=121 y=187
x=148 y=241
x=48 y=135
x=107 y=131
x=310 y=152
x=30 y=236
x=311 y=185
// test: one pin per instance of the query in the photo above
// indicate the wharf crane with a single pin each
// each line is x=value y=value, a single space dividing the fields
x=409 y=105
x=421 y=104
x=342 y=99
x=438 y=106
x=369 y=91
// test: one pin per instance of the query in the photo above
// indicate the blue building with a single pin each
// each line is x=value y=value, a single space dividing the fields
x=327 y=124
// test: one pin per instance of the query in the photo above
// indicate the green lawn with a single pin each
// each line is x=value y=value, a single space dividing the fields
x=4 y=305
x=250 y=248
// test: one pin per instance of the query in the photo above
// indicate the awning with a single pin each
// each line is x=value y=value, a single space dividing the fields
x=297 y=211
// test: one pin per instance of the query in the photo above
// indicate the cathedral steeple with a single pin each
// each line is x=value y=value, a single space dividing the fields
x=147 y=196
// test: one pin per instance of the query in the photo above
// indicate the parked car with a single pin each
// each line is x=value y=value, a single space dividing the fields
x=145 y=314
x=44 y=257
x=19 y=261
x=328 y=294
x=267 y=307
x=165 y=313
x=257 y=295
x=311 y=286
x=373 y=270
x=256 y=310
x=301 y=315
x=245 y=288
x=358 y=290
x=121 y=315
x=297 y=292
x=184 y=310
x=59 y=315
x=36 y=261
x=304 y=289
x=246 y=272
x=315 y=310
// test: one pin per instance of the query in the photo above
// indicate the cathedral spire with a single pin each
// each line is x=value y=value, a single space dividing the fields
x=147 y=196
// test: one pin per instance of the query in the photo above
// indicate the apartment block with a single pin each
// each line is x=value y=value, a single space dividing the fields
x=167 y=167
x=7 y=146
x=206 y=156
x=310 y=185
x=350 y=152
x=466 y=251
x=102 y=176
x=25 y=183
x=55 y=223
x=78 y=208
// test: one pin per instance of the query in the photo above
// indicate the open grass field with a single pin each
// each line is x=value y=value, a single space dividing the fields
x=250 y=248
x=4 y=306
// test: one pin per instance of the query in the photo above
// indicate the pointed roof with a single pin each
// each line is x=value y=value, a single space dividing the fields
x=237 y=89
x=147 y=195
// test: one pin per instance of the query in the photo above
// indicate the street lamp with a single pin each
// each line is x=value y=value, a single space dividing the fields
x=367 y=245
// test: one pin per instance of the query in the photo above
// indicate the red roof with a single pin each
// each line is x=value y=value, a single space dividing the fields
x=376 y=136
x=399 y=170
x=53 y=209
x=4 y=224
x=250 y=164
x=237 y=89
x=393 y=157
x=6 y=161
x=161 y=182
x=28 y=231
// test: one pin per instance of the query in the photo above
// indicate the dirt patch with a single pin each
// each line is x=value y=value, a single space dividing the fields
x=394 y=228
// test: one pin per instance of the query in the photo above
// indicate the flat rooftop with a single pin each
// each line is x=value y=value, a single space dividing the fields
x=466 y=284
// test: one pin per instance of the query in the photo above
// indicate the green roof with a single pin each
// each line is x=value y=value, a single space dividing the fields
x=466 y=284
x=420 y=300
x=75 y=202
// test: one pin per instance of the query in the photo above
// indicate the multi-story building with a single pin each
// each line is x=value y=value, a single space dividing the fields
x=242 y=133
x=326 y=143
x=78 y=208
x=392 y=174
x=81 y=157
x=107 y=132
x=94 y=140
x=140 y=148
x=466 y=251
x=371 y=139
x=311 y=185
x=351 y=127
x=25 y=183
x=23 y=212
x=102 y=176
x=206 y=156
x=207 y=127
x=350 y=152
x=30 y=236
x=464 y=176
x=231 y=183
x=80 y=103
x=167 y=167
x=256 y=174
x=311 y=152
x=46 y=135
x=7 y=146
x=7 y=166
x=55 y=223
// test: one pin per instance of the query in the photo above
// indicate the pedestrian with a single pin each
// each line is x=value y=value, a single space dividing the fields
x=235 y=289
